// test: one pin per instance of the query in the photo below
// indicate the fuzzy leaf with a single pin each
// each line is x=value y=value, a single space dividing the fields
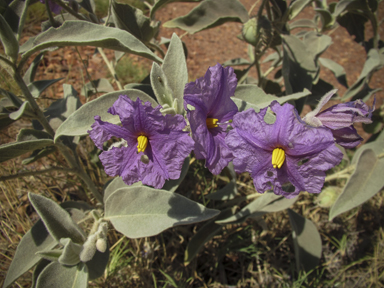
x=204 y=234
x=57 y=221
x=96 y=266
x=50 y=255
x=336 y=69
x=296 y=7
x=132 y=20
x=71 y=252
x=160 y=3
x=15 y=149
x=228 y=192
x=209 y=14
x=38 y=87
x=38 y=269
x=142 y=211
x=29 y=76
x=266 y=203
x=10 y=43
x=83 y=33
x=303 y=23
x=16 y=101
x=102 y=86
x=172 y=185
x=327 y=19
x=59 y=276
x=35 y=240
x=24 y=110
x=79 y=122
x=306 y=240
x=363 y=184
x=15 y=15
x=175 y=69
x=316 y=44
x=160 y=85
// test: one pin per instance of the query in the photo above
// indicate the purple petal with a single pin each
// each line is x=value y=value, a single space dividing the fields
x=347 y=137
x=103 y=131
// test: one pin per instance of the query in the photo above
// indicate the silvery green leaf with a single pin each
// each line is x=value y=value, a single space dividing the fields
x=228 y=192
x=116 y=184
x=97 y=265
x=373 y=63
x=29 y=76
x=10 y=43
x=50 y=255
x=205 y=233
x=97 y=86
x=142 y=211
x=365 y=93
x=79 y=122
x=336 y=69
x=132 y=20
x=303 y=23
x=31 y=134
x=38 y=154
x=171 y=185
x=16 y=101
x=59 y=20
x=175 y=69
x=306 y=240
x=78 y=205
x=83 y=33
x=35 y=240
x=24 y=110
x=363 y=184
x=253 y=94
x=56 y=219
x=70 y=253
x=160 y=85
x=38 y=269
x=316 y=44
x=327 y=19
x=299 y=67
x=146 y=88
x=59 y=276
x=61 y=109
x=38 y=87
x=88 y=5
x=15 y=15
x=296 y=7
x=268 y=202
x=209 y=14
x=15 y=149
x=160 y=3
x=237 y=62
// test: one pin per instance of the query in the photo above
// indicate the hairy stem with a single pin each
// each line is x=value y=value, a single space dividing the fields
x=110 y=67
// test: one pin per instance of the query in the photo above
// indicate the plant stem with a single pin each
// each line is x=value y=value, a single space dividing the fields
x=110 y=67
x=65 y=151
x=341 y=174
x=70 y=10
x=33 y=173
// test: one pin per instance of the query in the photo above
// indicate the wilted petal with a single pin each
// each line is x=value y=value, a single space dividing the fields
x=347 y=137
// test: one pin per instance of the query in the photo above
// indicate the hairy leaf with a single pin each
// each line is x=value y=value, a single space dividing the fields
x=142 y=211
x=15 y=149
x=363 y=184
x=306 y=240
x=59 y=276
x=336 y=69
x=10 y=43
x=79 y=122
x=97 y=86
x=29 y=76
x=57 y=221
x=38 y=87
x=209 y=14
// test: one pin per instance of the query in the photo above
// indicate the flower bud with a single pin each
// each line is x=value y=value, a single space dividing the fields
x=89 y=249
x=101 y=245
x=328 y=196
x=250 y=32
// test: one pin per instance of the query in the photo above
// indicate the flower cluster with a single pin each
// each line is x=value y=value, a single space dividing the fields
x=288 y=156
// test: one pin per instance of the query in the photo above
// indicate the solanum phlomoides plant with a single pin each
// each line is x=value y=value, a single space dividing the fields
x=232 y=122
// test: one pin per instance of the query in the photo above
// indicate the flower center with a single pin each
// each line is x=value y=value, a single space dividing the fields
x=211 y=122
x=278 y=157
x=142 y=142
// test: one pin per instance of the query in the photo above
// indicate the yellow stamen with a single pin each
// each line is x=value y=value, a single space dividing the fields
x=142 y=142
x=278 y=157
x=211 y=122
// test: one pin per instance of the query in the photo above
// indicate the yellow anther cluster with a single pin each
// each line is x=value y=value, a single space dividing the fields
x=142 y=142
x=278 y=157
x=211 y=122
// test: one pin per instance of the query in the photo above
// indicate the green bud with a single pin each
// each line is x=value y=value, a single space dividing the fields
x=250 y=32
x=328 y=196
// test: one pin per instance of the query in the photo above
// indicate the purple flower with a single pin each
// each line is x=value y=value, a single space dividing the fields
x=155 y=146
x=288 y=155
x=209 y=110
x=55 y=8
x=340 y=118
